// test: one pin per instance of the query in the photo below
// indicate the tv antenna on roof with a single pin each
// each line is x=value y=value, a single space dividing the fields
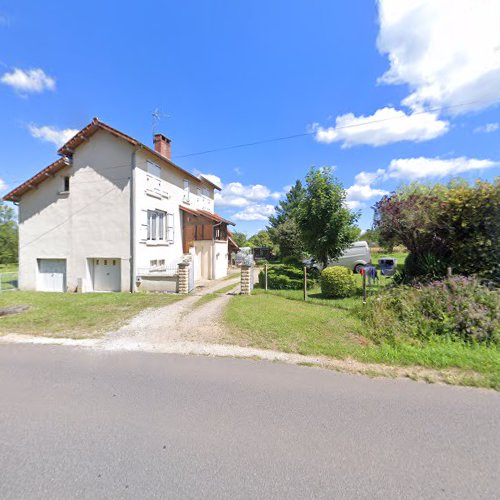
x=156 y=116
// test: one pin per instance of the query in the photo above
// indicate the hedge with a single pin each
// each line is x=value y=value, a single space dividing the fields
x=285 y=277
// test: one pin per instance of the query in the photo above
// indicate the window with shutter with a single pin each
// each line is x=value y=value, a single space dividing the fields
x=156 y=221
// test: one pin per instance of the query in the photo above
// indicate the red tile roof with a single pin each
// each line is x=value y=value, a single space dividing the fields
x=69 y=147
x=37 y=179
x=203 y=213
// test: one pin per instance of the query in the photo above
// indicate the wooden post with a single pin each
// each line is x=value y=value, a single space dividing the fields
x=265 y=272
x=448 y=272
x=364 y=286
x=305 y=283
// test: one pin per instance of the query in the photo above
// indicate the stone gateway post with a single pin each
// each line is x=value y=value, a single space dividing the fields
x=246 y=279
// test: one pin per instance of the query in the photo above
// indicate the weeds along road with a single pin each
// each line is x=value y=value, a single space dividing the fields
x=93 y=424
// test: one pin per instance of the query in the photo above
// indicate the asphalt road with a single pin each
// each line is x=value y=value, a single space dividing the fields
x=93 y=424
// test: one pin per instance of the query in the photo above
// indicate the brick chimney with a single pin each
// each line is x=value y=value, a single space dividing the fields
x=162 y=145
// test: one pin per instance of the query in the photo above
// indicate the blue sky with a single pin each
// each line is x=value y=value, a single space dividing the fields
x=389 y=92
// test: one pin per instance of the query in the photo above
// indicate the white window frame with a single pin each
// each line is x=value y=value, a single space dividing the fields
x=156 y=226
x=159 y=227
x=187 y=189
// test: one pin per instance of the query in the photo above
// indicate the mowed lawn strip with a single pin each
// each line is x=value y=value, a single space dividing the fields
x=84 y=315
x=211 y=296
x=272 y=321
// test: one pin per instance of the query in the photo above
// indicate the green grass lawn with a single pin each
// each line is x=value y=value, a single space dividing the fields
x=75 y=315
x=211 y=296
x=333 y=328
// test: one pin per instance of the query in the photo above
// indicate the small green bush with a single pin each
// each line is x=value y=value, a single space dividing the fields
x=291 y=260
x=283 y=277
x=337 y=282
x=458 y=308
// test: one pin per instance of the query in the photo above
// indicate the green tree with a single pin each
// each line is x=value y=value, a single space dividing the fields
x=371 y=236
x=288 y=238
x=455 y=225
x=283 y=228
x=240 y=239
x=261 y=239
x=286 y=208
x=8 y=235
x=355 y=233
x=324 y=220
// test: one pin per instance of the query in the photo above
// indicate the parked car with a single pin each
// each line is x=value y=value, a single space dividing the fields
x=354 y=258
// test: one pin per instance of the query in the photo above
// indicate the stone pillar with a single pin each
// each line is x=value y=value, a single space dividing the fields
x=183 y=277
x=246 y=282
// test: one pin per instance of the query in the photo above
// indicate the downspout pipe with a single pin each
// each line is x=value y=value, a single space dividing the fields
x=132 y=231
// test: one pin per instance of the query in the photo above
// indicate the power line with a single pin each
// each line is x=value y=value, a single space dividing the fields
x=295 y=136
x=354 y=125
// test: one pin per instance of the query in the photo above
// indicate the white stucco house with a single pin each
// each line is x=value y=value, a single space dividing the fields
x=112 y=214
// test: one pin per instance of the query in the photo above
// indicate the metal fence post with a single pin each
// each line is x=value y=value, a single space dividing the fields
x=265 y=272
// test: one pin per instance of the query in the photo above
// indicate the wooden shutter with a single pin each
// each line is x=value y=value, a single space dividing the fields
x=143 y=226
x=170 y=228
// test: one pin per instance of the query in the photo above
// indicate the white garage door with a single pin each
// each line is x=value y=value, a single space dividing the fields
x=51 y=275
x=107 y=275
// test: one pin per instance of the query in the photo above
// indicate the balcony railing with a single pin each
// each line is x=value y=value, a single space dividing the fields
x=157 y=271
x=156 y=187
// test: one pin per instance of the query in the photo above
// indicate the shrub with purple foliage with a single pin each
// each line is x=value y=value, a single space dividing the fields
x=459 y=308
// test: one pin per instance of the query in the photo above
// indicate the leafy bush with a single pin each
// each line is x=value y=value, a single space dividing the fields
x=284 y=277
x=337 y=282
x=454 y=225
x=426 y=267
x=292 y=261
x=456 y=308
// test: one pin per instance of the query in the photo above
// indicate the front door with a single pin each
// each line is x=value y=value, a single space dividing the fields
x=107 y=275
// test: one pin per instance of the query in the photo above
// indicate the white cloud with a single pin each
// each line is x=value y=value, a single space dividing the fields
x=252 y=202
x=3 y=185
x=237 y=170
x=254 y=212
x=364 y=178
x=52 y=134
x=419 y=168
x=236 y=194
x=214 y=179
x=486 y=129
x=29 y=81
x=446 y=51
x=362 y=191
x=385 y=126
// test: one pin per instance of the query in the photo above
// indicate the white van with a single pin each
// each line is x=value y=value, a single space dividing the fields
x=355 y=257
